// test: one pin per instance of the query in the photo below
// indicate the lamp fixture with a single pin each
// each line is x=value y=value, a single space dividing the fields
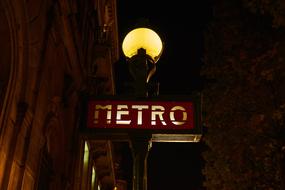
x=142 y=38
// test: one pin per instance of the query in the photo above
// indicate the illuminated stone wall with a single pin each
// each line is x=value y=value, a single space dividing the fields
x=49 y=51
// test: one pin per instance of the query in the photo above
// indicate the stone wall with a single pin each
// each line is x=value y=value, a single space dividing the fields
x=47 y=50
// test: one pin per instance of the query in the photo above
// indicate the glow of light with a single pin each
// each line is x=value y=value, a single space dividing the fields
x=86 y=154
x=142 y=38
x=93 y=178
x=176 y=138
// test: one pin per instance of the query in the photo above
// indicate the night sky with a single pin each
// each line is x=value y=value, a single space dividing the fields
x=180 y=26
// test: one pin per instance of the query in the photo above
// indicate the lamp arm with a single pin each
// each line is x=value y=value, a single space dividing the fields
x=151 y=72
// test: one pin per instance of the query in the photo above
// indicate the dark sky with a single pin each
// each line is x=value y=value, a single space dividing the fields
x=181 y=26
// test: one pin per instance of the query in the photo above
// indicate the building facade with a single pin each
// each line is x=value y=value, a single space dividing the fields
x=52 y=52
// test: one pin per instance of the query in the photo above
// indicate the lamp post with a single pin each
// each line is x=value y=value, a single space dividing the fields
x=142 y=48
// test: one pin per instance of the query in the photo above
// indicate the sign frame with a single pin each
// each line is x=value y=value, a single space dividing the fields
x=156 y=135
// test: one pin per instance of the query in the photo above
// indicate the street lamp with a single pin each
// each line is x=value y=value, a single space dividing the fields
x=142 y=48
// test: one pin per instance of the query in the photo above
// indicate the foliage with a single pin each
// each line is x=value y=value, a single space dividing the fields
x=244 y=98
x=273 y=8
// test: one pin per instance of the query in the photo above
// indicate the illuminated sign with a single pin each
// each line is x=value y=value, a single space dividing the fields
x=116 y=114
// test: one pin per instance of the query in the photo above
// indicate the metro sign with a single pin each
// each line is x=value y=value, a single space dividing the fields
x=154 y=115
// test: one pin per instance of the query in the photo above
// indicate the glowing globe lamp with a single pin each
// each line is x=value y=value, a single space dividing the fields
x=144 y=38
